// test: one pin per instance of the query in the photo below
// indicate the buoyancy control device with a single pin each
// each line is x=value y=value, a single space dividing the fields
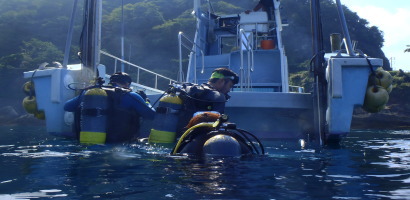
x=218 y=138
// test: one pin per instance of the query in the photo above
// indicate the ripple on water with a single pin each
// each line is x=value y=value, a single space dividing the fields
x=48 y=193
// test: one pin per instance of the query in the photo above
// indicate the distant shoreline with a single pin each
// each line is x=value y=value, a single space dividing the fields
x=394 y=117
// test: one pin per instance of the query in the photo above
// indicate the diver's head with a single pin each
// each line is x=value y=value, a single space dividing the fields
x=121 y=79
x=223 y=79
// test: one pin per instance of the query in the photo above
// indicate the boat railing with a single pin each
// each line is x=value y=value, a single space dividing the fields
x=192 y=49
x=246 y=43
x=157 y=86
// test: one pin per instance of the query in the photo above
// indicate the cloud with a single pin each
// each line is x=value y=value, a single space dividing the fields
x=395 y=24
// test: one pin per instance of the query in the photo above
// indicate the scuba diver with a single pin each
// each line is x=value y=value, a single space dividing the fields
x=198 y=111
x=109 y=114
x=208 y=133
x=210 y=96
x=179 y=103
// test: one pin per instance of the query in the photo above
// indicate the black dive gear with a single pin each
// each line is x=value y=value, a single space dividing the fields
x=193 y=140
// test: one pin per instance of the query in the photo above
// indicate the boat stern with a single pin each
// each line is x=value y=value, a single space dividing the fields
x=347 y=81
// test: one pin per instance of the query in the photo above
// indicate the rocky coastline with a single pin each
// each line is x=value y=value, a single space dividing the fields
x=393 y=117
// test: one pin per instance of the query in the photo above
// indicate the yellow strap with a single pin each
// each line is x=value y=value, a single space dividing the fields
x=204 y=124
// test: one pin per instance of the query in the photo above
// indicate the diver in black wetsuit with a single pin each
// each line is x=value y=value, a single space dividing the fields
x=210 y=96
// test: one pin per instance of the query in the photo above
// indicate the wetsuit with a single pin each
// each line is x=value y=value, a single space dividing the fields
x=199 y=98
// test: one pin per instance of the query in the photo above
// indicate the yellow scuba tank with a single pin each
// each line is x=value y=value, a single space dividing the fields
x=166 y=120
x=94 y=116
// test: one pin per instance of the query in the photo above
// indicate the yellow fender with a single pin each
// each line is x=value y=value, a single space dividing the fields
x=375 y=99
x=28 y=88
x=30 y=104
x=384 y=77
x=381 y=77
x=377 y=94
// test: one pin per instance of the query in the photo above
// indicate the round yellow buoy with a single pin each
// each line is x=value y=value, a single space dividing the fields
x=30 y=104
x=28 y=88
x=381 y=77
x=375 y=99
x=385 y=79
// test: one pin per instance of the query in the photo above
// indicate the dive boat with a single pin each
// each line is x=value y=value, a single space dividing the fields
x=263 y=102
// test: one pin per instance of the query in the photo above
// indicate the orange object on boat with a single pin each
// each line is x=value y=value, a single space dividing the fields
x=267 y=44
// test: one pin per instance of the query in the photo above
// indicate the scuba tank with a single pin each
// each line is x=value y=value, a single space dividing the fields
x=166 y=119
x=94 y=116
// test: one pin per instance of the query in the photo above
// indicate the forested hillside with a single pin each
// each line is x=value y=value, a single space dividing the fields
x=34 y=31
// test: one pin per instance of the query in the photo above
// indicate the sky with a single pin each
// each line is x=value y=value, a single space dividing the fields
x=393 y=18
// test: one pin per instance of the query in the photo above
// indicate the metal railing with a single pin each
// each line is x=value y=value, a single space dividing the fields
x=246 y=44
x=139 y=69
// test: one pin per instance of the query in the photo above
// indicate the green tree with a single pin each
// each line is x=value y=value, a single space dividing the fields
x=35 y=52
x=32 y=53
x=297 y=36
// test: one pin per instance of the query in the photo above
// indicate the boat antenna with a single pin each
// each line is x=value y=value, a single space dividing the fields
x=122 y=35
x=211 y=8
x=347 y=41
x=90 y=42
x=69 y=35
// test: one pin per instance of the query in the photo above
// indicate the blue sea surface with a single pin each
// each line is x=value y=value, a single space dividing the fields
x=368 y=164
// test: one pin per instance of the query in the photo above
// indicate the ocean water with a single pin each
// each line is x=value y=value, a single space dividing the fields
x=368 y=164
